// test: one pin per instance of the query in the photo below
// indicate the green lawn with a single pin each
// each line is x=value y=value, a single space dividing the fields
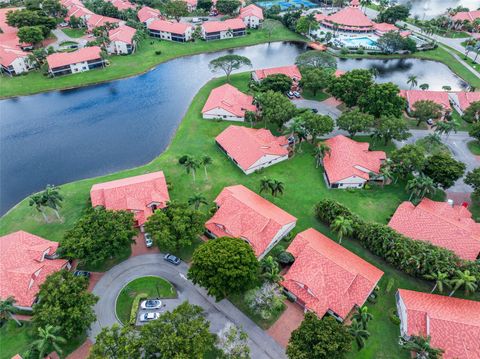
x=67 y=43
x=142 y=60
x=474 y=147
x=75 y=33
x=154 y=287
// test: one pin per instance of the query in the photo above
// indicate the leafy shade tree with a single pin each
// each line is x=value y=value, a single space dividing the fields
x=197 y=200
x=278 y=83
x=446 y=127
x=359 y=333
x=392 y=42
x=425 y=110
x=394 y=14
x=37 y=200
x=175 y=227
x=316 y=125
x=472 y=113
x=270 y=270
x=355 y=121
x=7 y=310
x=176 y=9
x=316 y=59
x=99 y=235
x=319 y=338
x=25 y=17
x=116 y=343
x=306 y=24
x=441 y=280
x=233 y=342
x=475 y=130
x=473 y=179
x=443 y=169
x=276 y=108
x=362 y=316
x=65 y=303
x=31 y=35
x=227 y=7
x=382 y=100
x=53 y=198
x=228 y=63
x=463 y=279
x=204 y=5
x=49 y=340
x=343 y=227
x=224 y=266
x=406 y=160
x=181 y=333
x=266 y=300
x=351 y=86
x=391 y=128
x=421 y=346
x=419 y=187
x=316 y=79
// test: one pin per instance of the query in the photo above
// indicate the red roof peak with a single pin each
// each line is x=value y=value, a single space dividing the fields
x=231 y=99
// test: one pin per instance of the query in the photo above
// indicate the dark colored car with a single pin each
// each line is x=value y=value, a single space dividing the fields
x=81 y=273
x=172 y=259
x=314 y=110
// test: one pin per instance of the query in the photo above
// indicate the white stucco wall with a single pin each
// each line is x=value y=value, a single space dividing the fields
x=20 y=65
x=265 y=161
x=222 y=114
x=251 y=21
x=285 y=230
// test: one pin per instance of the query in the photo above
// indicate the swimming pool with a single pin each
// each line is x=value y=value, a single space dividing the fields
x=359 y=41
x=284 y=5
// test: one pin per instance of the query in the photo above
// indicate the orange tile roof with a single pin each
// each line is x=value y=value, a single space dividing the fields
x=251 y=10
x=146 y=13
x=384 y=27
x=21 y=261
x=122 y=4
x=9 y=54
x=169 y=26
x=440 y=224
x=465 y=99
x=68 y=58
x=291 y=71
x=452 y=323
x=350 y=16
x=248 y=145
x=244 y=214
x=413 y=96
x=230 y=24
x=96 y=20
x=7 y=29
x=230 y=99
x=123 y=33
x=78 y=10
x=132 y=194
x=326 y=276
x=466 y=15
x=347 y=155
x=320 y=17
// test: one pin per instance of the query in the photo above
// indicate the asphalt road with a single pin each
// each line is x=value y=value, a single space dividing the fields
x=218 y=313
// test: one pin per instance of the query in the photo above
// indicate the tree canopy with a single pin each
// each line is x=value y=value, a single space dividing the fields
x=116 y=343
x=277 y=82
x=425 y=110
x=30 y=34
x=276 y=108
x=394 y=14
x=227 y=7
x=316 y=79
x=392 y=42
x=473 y=179
x=224 y=266
x=443 y=169
x=472 y=113
x=176 y=9
x=351 y=86
x=354 y=121
x=316 y=59
x=391 y=128
x=382 y=100
x=408 y=159
x=229 y=63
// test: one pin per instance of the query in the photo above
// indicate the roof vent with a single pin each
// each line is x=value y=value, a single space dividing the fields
x=450 y=202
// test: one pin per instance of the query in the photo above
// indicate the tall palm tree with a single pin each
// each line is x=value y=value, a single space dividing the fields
x=362 y=316
x=7 y=310
x=191 y=165
x=421 y=346
x=342 y=226
x=364 y=4
x=197 y=200
x=297 y=129
x=320 y=152
x=206 y=161
x=265 y=184
x=413 y=81
x=386 y=173
x=446 y=127
x=37 y=200
x=276 y=187
x=424 y=87
x=420 y=187
x=270 y=270
x=463 y=279
x=440 y=279
x=48 y=340
x=358 y=333
x=53 y=198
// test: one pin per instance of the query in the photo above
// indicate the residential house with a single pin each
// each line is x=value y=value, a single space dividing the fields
x=350 y=163
x=326 y=278
x=122 y=40
x=26 y=260
x=228 y=103
x=244 y=214
x=191 y=5
x=440 y=223
x=85 y=59
x=291 y=71
x=79 y=11
x=96 y=20
x=462 y=100
x=218 y=30
x=413 y=96
x=146 y=15
x=142 y=195
x=170 y=31
x=122 y=5
x=252 y=149
x=350 y=19
x=466 y=16
x=13 y=61
x=252 y=16
x=383 y=27
x=452 y=324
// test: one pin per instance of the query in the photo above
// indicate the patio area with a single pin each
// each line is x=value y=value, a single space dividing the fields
x=290 y=320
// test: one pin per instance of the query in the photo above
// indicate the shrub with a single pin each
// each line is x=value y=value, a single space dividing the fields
x=344 y=51
x=390 y=284
x=135 y=305
x=328 y=209
x=265 y=300
x=393 y=315
x=285 y=258
x=158 y=52
x=183 y=159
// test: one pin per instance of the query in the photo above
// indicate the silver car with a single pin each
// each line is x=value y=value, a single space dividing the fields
x=146 y=317
x=151 y=304
x=148 y=239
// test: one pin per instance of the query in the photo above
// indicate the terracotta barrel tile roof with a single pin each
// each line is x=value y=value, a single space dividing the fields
x=465 y=99
x=466 y=16
x=217 y=26
x=384 y=27
x=291 y=71
x=351 y=16
x=96 y=20
x=251 y=10
x=439 y=97
x=9 y=54
x=123 y=33
x=230 y=99
x=325 y=276
x=169 y=26
x=68 y=58
x=146 y=13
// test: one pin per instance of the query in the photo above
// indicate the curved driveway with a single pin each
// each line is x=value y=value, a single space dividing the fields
x=218 y=313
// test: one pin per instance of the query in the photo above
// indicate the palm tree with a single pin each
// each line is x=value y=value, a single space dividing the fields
x=53 y=198
x=412 y=80
x=440 y=279
x=197 y=200
x=297 y=128
x=342 y=226
x=364 y=4
x=320 y=152
x=424 y=87
x=358 y=333
x=37 y=200
x=386 y=173
x=463 y=279
x=7 y=310
x=206 y=161
x=277 y=187
x=421 y=346
x=362 y=316
x=420 y=187
x=270 y=270
x=265 y=184
x=191 y=165
x=48 y=340
x=446 y=127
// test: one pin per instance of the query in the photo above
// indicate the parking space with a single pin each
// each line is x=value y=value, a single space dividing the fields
x=139 y=247
x=167 y=305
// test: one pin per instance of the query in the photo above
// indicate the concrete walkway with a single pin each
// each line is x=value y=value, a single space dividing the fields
x=62 y=37
x=218 y=313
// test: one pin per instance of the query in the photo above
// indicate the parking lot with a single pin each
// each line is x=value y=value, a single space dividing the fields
x=167 y=305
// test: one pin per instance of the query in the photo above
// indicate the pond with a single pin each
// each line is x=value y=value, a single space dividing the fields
x=427 y=9
x=62 y=136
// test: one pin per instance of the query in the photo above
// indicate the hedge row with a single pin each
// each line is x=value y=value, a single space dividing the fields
x=417 y=258
x=135 y=305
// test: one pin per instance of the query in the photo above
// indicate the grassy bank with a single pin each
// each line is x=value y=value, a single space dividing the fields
x=474 y=147
x=150 y=52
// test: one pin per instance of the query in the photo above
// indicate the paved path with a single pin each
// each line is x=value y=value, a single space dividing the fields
x=62 y=37
x=323 y=107
x=108 y=287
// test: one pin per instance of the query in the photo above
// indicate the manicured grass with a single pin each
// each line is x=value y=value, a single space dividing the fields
x=103 y=267
x=319 y=96
x=154 y=287
x=67 y=43
x=474 y=147
x=142 y=60
x=75 y=33
x=464 y=125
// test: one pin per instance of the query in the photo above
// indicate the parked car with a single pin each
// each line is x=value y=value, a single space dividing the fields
x=172 y=259
x=146 y=317
x=296 y=94
x=151 y=304
x=314 y=110
x=430 y=121
x=148 y=239
x=204 y=18
x=81 y=273
x=290 y=95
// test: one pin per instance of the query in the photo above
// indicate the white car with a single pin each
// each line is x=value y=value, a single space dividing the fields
x=146 y=317
x=148 y=239
x=151 y=304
